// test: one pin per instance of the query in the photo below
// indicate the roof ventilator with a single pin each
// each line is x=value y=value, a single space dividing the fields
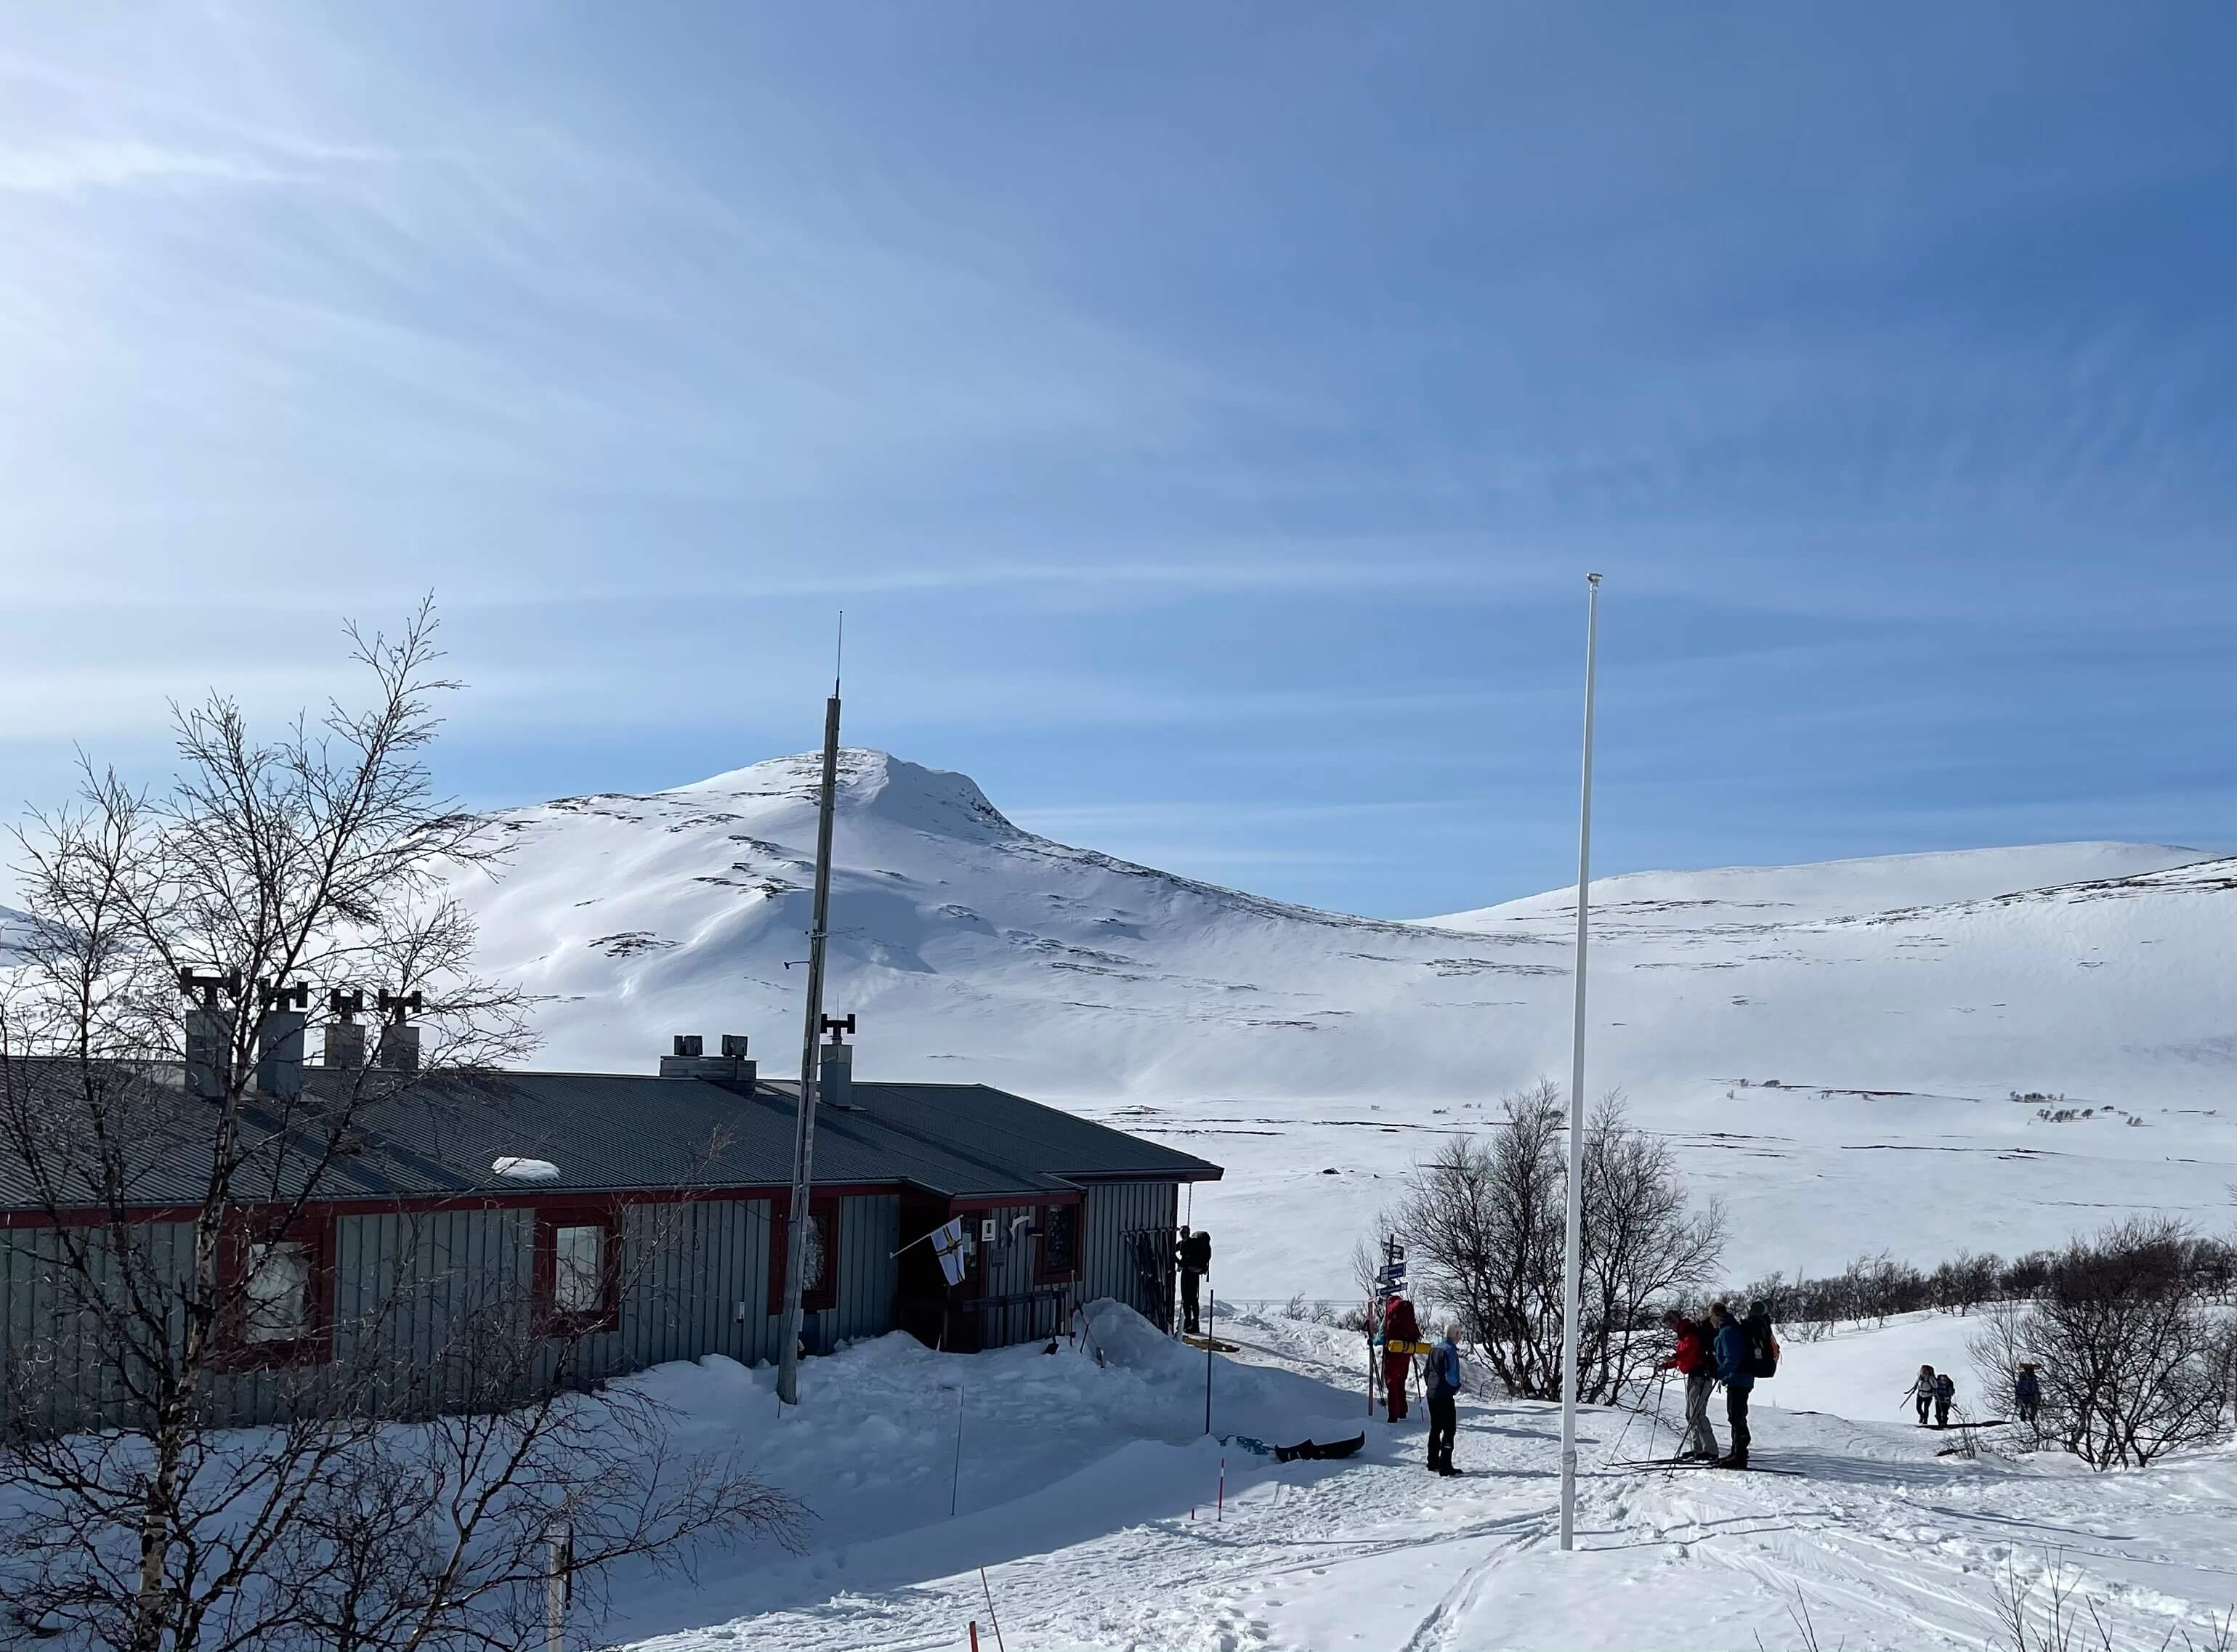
x=209 y=1031
x=835 y=1066
x=399 y=1039
x=345 y=1038
x=280 y=1038
x=690 y=1060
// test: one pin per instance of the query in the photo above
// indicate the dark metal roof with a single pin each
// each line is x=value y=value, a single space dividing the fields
x=439 y=1135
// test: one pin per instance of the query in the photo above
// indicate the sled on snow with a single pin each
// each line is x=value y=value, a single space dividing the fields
x=1211 y=1343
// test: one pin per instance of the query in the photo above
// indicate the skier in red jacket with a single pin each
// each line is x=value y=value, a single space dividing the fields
x=1696 y=1361
x=1399 y=1325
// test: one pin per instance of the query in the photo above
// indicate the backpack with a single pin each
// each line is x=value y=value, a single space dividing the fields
x=1761 y=1344
x=1445 y=1368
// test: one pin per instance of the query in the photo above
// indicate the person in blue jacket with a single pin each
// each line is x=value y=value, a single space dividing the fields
x=1442 y=1384
x=1732 y=1367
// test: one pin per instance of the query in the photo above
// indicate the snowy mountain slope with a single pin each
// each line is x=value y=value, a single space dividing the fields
x=14 y=929
x=1898 y=1003
x=1753 y=896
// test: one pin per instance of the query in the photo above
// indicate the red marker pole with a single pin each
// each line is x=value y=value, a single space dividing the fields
x=974 y=1636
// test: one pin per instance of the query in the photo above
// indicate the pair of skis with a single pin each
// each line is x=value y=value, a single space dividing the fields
x=1698 y=1463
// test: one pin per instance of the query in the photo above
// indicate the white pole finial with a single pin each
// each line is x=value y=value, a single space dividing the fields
x=1572 y=1249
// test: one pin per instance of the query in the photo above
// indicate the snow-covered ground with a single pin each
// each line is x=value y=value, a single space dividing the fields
x=1089 y=1494
x=1897 y=1002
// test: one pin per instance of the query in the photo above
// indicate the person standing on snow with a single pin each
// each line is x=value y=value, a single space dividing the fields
x=1731 y=1349
x=1923 y=1391
x=2027 y=1394
x=1697 y=1363
x=1442 y=1384
x=1945 y=1394
x=1399 y=1326
x=1194 y=1255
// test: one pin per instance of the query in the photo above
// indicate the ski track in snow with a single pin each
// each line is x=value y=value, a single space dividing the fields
x=1883 y=1544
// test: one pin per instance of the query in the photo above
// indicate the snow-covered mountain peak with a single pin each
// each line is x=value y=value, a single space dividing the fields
x=872 y=782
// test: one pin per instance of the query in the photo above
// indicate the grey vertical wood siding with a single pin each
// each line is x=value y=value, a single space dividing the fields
x=1113 y=1209
x=409 y=1287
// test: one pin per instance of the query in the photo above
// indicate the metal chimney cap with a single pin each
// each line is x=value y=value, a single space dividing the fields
x=690 y=1044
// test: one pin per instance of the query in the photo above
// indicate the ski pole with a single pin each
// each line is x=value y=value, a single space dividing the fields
x=992 y=1615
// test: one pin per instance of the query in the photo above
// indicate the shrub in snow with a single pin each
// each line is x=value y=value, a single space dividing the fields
x=2131 y=1363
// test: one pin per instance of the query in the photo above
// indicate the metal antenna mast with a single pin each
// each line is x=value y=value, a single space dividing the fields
x=1573 y=1251
x=803 y=1138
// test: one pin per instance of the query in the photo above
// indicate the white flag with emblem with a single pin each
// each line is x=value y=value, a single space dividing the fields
x=947 y=1244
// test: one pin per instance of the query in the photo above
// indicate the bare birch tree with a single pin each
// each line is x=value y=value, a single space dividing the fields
x=266 y=892
x=1483 y=1223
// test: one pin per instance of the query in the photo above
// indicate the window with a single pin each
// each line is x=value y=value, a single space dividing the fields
x=819 y=1274
x=578 y=1268
x=1059 y=1226
x=578 y=1271
x=277 y=1292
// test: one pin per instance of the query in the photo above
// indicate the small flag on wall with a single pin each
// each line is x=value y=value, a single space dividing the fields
x=947 y=1244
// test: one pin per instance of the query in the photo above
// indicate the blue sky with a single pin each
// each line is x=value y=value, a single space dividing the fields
x=1206 y=416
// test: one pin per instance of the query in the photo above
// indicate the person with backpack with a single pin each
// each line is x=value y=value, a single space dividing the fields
x=1401 y=1331
x=1945 y=1394
x=1923 y=1391
x=1696 y=1361
x=1442 y=1384
x=2027 y=1393
x=1731 y=1355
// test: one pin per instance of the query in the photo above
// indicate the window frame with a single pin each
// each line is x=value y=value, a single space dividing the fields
x=552 y=1320
x=823 y=1211
x=236 y=1350
x=1046 y=1269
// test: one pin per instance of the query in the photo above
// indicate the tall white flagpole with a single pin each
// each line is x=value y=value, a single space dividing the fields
x=1573 y=1251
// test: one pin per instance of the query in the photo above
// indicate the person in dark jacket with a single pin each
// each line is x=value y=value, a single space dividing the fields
x=1442 y=1384
x=1194 y=1255
x=1945 y=1395
x=1695 y=1360
x=1730 y=1350
x=2027 y=1394
x=1923 y=1391
x=1399 y=1326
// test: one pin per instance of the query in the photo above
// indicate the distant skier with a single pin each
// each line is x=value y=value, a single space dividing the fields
x=1442 y=1384
x=1732 y=1353
x=1399 y=1326
x=2027 y=1393
x=1194 y=1255
x=1923 y=1391
x=1945 y=1394
x=1697 y=1361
